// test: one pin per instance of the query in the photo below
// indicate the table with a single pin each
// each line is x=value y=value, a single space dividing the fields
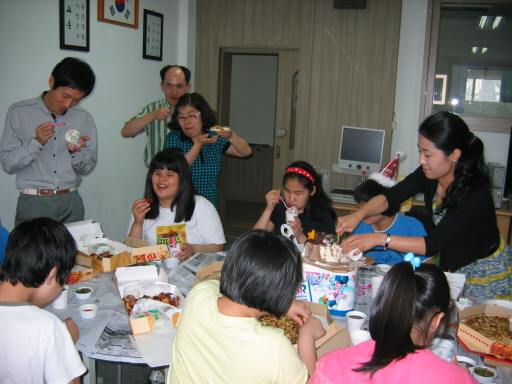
x=364 y=302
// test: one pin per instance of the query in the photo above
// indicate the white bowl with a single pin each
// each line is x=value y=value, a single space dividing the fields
x=483 y=379
x=88 y=311
x=83 y=292
x=470 y=363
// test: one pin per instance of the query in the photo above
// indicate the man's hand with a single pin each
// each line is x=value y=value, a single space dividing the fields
x=161 y=113
x=78 y=146
x=44 y=132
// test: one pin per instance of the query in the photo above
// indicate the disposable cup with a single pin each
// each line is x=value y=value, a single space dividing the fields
x=355 y=320
x=62 y=300
x=88 y=311
x=83 y=293
x=384 y=267
x=469 y=363
x=358 y=336
x=290 y=216
x=171 y=262
x=376 y=282
x=485 y=379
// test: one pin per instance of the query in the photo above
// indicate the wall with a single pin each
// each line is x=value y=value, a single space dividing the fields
x=125 y=82
x=408 y=92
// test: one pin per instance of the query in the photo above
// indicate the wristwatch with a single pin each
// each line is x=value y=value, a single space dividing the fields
x=388 y=240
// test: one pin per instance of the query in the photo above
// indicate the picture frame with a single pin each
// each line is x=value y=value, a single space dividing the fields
x=152 y=43
x=439 y=94
x=74 y=16
x=124 y=13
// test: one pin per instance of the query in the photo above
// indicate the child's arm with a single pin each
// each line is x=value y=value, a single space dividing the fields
x=308 y=333
x=297 y=309
x=264 y=221
x=73 y=329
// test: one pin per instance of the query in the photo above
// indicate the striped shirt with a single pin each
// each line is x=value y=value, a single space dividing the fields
x=155 y=131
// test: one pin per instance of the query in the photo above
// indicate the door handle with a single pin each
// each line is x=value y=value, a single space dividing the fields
x=278 y=152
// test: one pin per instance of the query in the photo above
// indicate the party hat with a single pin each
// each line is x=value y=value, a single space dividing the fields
x=387 y=176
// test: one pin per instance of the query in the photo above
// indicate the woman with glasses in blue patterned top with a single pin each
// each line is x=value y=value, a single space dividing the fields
x=191 y=130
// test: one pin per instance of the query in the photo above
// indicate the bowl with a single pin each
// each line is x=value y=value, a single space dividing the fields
x=88 y=311
x=484 y=379
x=83 y=292
x=469 y=363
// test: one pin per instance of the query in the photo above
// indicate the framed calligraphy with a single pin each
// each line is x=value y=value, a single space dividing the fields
x=74 y=25
x=153 y=35
x=120 y=12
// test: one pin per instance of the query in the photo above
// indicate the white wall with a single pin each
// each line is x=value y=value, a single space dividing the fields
x=124 y=83
x=408 y=92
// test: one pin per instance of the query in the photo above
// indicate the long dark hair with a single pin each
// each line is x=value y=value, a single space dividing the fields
x=319 y=199
x=172 y=160
x=208 y=115
x=449 y=132
x=407 y=299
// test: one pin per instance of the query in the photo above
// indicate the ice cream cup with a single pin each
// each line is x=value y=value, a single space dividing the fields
x=72 y=136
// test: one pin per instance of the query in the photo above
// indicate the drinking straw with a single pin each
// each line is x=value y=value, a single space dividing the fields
x=284 y=202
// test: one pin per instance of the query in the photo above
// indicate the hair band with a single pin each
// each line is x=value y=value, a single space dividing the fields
x=302 y=172
x=414 y=260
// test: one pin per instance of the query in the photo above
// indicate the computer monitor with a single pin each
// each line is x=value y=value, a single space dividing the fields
x=360 y=150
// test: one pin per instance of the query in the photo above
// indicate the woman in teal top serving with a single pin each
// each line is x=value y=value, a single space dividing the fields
x=454 y=179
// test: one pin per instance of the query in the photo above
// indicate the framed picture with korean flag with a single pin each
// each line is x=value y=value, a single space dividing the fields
x=74 y=24
x=120 y=12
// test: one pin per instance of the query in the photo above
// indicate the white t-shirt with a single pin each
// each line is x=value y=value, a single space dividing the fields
x=36 y=347
x=214 y=348
x=204 y=227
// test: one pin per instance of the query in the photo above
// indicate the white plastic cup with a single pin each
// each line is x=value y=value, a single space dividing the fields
x=482 y=379
x=88 y=311
x=355 y=320
x=81 y=294
x=470 y=363
x=171 y=262
x=62 y=300
x=383 y=267
x=290 y=216
x=376 y=282
x=359 y=336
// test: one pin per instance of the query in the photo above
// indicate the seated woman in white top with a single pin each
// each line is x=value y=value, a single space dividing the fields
x=171 y=209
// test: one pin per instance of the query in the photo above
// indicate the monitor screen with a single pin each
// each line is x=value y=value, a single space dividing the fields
x=361 y=150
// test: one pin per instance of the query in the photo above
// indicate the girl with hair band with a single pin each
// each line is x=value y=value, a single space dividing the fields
x=170 y=200
x=454 y=179
x=191 y=130
x=407 y=312
x=302 y=187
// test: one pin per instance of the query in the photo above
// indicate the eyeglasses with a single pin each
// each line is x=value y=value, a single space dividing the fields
x=189 y=117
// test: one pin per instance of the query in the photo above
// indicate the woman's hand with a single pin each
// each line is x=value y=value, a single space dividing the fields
x=272 y=198
x=187 y=250
x=205 y=139
x=225 y=133
x=139 y=210
x=297 y=309
x=363 y=242
x=347 y=223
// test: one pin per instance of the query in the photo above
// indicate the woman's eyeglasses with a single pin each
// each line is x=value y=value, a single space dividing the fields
x=189 y=117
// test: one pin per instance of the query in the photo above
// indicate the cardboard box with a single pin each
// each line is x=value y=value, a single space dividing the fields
x=336 y=336
x=210 y=272
x=86 y=234
x=474 y=340
x=154 y=347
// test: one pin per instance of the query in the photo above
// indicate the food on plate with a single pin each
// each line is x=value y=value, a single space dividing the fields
x=289 y=326
x=164 y=297
x=218 y=128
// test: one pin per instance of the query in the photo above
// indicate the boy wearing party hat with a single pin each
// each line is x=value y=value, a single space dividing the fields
x=390 y=221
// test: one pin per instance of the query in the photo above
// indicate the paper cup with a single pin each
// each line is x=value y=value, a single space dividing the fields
x=376 y=282
x=358 y=336
x=171 y=262
x=290 y=216
x=469 y=363
x=383 y=267
x=62 y=300
x=72 y=136
x=88 y=311
x=355 y=320
x=83 y=293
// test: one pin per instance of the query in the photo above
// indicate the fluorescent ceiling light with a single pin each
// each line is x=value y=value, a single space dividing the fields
x=497 y=22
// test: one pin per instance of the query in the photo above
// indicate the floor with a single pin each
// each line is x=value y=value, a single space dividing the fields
x=240 y=217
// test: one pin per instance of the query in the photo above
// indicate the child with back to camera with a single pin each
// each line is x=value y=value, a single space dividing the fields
x=220 y=339
x=35 y=346
x=302 y=187
x=169 y=202
x=389 y=221
x=406 y=314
